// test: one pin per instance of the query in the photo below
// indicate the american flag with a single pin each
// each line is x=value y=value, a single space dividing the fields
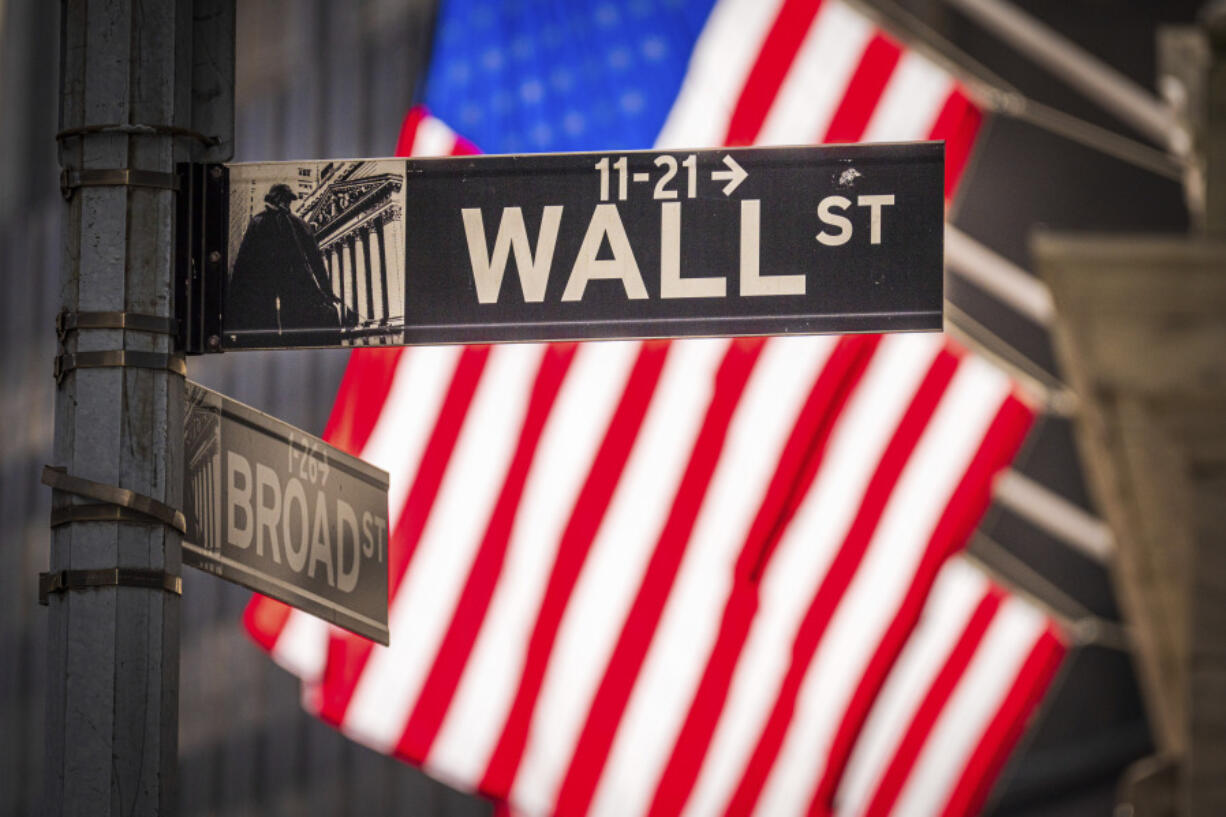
x=695 y=577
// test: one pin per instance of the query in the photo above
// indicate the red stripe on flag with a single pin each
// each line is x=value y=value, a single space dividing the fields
x=1006 y=727
x=864 y=91
x=359 y=401
x=958 y=124
x=573 y=549
x=680 y=773
x=434 y=461
x=842 y=570
x=360 y=398
x=807 y=443
x=609 y=702
x=964 y=510
x=264 y=619
x=413 y=120
x=917 y=732
x=348 y=654
x=474 y=601
x=774 y=60
x=408 y=130
x=859 y=351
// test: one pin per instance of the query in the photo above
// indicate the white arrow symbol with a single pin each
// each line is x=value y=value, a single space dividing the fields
x=734 y=175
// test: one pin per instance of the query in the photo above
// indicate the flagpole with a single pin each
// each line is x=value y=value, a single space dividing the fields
x=1094 y=78
x=1050 y=512
x=999 y=276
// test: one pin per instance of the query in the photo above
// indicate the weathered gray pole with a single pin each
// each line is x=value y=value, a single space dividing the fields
x=112 y=711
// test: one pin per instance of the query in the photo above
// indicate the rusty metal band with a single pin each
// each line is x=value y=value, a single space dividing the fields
x=111 y=495
x=118 y=358
x=66 y=322
x=61 y=581
x=138 y=130
x=98 y=512
x=70 y=180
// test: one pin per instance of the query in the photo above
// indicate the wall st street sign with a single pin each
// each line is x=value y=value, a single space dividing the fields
x=284 y=513
x=736 y=241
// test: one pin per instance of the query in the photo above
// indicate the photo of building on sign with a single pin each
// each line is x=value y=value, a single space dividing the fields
x=315 y=254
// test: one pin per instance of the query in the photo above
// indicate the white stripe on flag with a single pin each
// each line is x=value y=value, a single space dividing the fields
x=433 y=138
x=803 y=555
x=936 y=466
x=302 y=646
x=911 y=101
x=569 y=442
x=610 y=577
x=978 y=696
x=955 y=595
x=421 y=610
x=409 y=413
x=722 y=59
x=395 y=445
x=776 y=392
x=817 y=81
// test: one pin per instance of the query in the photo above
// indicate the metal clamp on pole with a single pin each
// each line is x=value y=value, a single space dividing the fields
x=70 y=180
x=115 y=499
x=66 y=322
x=138 y=130
x=118 y=358
x=61 y=581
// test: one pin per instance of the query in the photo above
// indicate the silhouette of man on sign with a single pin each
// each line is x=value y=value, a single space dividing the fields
x=280 y=283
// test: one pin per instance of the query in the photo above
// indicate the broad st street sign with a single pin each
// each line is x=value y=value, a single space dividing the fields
x=284 y=513
x=736 y=241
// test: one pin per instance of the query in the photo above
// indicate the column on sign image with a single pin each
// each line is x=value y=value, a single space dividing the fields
x=352 y=262
x=374 y=311
x=332 y=255
x=362 y=275
x=390 y=233
x=381 y=260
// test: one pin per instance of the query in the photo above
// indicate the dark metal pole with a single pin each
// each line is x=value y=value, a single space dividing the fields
x=112 y=695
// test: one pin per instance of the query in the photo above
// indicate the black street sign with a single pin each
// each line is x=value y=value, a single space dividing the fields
x=734 y=241
x=282 y=512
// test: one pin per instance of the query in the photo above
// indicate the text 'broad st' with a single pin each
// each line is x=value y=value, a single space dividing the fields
x=282 y=512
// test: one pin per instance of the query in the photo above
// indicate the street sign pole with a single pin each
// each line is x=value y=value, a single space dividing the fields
x=113 y=588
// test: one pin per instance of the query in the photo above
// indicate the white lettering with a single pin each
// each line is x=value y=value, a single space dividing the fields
x=239 y=503
x=753 y=283
x=368 y=535
x=533 y=267
x=622 y=266
x=347 y=522
x=831 y=219
x=672 y=285
x=296 y=548
x=381 y=524
x=875 y=203
x=267 y=515
x=321 y=540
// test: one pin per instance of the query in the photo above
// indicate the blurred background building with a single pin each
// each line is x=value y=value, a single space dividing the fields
x=320 y=79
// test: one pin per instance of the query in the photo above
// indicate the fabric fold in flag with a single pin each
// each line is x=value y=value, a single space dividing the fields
x=978 y=658
x=684 y=577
